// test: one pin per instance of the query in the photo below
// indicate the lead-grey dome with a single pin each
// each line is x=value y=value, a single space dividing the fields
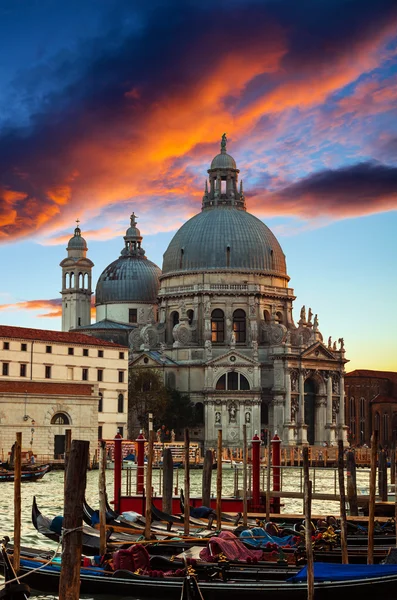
x=128 y=279
x=223 y=161
x=224 y=238
x=132 y=277
x=77 y=242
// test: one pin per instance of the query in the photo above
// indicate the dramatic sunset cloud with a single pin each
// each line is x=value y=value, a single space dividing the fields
x=133 y=119
x=54 y=307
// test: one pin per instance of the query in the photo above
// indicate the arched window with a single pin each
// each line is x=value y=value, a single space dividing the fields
x=266 y=316
x=385 y=428
x=60 y=419
x=218 y=326
x=362 y=420
x=175 y=318
x=377 y=422
x=232 y=381
x=120 y=403
x=71 y=281
x=100 y=402
x=239 y=326
x=280 y=317
x=199 y=408
x=190 y=316
x=352 y=414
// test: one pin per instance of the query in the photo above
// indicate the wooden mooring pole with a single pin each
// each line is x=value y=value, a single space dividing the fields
x=268 y=474
x=17 y=502
x=206 y=481
x=351 y=483
x=68 y=441
x=219 y=481
x=343 y=532
x=245 y=482
x=149 y=473
x=186 y=524
x=102 y=498
x=382 y=472
x=76 y=478
x=307 y=490
x=168 y=473
x=372 y=495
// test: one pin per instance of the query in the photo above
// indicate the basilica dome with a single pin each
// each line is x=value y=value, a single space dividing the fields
x=224 y=237
x=132 y=277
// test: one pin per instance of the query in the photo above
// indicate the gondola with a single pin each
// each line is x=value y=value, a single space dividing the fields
x=29 y=475
x=341 y=581
x=51 y=529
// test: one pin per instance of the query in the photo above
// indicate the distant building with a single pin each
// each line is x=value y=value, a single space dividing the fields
x=371 y=403
x=73 y=363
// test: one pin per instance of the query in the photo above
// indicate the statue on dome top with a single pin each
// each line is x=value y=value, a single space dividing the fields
x=309 y=315
x=223 y=142
x=303 y=314
x=315 y=323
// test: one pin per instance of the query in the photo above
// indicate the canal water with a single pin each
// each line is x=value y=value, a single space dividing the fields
x=49 y=496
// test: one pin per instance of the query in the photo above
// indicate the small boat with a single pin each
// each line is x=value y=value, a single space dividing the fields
x=33 y=474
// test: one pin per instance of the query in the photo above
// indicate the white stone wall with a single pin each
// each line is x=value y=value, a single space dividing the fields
x=69 y=368
x=120 y=312
x=81 y=410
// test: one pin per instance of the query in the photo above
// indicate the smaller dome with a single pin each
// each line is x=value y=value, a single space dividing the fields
x=223 y=161
x=77 y=242
x=133 y=232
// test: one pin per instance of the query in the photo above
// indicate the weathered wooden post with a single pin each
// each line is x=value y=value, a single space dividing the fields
x=256 y=467
x=76 y=477
x=186 y=524
x=149 y=472
x=219 y=481
x=372 y=495
x=118 y=463
x=245 y=466
x=268 y=473
x=207 y=473
x=276 y=462
x=382 y=482
x=352 y=483
x=140 y=460
x=17 y=501
x=102 y=498
x=168 y=473
x=308 y=527
x=68 y=441
x=342 y=496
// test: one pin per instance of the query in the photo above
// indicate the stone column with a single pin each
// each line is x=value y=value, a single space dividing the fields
x=330 y=427
x=302 y=431
x=288 y=434
x=341 y=419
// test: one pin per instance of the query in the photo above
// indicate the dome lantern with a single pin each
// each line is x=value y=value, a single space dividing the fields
x=223 y=177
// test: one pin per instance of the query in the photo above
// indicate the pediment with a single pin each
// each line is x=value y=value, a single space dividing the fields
x=318 y=351
x=152 y=358
x=232 y=357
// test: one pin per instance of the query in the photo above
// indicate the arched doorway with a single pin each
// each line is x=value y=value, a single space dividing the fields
x=310 y=412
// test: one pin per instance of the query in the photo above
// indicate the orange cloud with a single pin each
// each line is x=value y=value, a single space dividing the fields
x=53 y=306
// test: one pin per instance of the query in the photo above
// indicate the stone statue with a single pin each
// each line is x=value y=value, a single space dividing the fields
x=303 y=314
x=329 y=342
x=315 y=323
x=334 y=346
x=342 y=343
x=233 y=339
x=162 y=347
x=232 y=414
x=248 y=417
x=255 y=348
x=208 y=349
x=223 y=142
x=217 y=418
x=309 y=316
x=172 y=435
x=207 y=309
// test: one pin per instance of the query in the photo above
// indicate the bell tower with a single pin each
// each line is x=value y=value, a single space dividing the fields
x=76 y=284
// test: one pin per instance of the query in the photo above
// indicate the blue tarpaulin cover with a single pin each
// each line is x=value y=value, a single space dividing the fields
x=258 y=538
x=57 y=567
x=335 y=572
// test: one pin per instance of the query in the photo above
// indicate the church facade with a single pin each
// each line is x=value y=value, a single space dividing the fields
x=217 y=323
